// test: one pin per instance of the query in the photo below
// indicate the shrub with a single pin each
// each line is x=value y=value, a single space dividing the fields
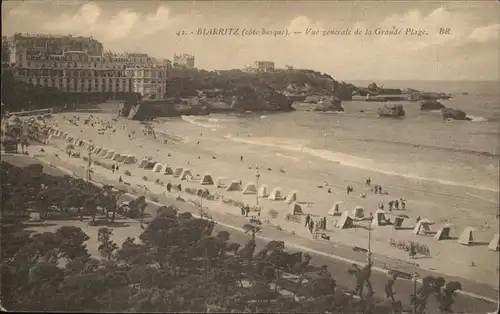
x=127 y=173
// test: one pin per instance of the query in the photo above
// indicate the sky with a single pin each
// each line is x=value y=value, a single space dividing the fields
x=470 y=52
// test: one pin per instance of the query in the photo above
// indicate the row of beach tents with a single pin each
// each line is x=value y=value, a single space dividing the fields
x=346 y=219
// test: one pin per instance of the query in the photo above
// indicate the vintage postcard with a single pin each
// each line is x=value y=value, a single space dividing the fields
x=250 y=156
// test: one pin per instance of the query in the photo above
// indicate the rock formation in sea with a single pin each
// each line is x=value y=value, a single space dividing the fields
x=391 y=111
x=454 y=114
x=431 y=104
x=329 y=104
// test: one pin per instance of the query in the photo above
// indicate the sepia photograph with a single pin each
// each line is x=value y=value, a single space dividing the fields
x=250 y=156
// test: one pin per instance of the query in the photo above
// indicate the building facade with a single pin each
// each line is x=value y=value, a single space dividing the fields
x=264 y=66
x=184 y=60
x=80 y=64
x=149 y=80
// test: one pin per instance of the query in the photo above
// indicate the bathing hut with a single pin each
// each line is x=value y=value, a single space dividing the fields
x=296 y=209
x=167 y=170
x=275 y=194
x=345 y=221
x=116 y=156
x=130 y=159
x=422 y=227
x=250 y=188
x=103 y=152
x=109 y=155
x=358 y=212
x=443 y=232
x=335 y=210
x=291 y=197
x=221 y=182
x=120 y=158
x=263 y=191
x=157 y=167
x=186 y=175
x=379 y=218
x=178 y=171
x=466 y=238
x=494 y=243
x=142 y=163
x=150 y=165
x=207 y=179
x=235 y=185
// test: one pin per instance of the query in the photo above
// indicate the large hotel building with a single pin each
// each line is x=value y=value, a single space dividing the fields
x=80 y=64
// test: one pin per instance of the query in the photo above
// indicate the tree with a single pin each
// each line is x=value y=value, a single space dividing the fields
x=107 y=246
x=72 y=242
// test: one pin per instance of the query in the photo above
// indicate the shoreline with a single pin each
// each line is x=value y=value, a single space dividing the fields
x=225 y=165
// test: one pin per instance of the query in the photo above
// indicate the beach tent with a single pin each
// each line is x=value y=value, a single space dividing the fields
x=234 y=186
x=494 y=243
x=142 y=163
x=186 y=174
x=178 y=171
x=150 y=165
x=130 y=159
x=291 y=197
x=116 y=156
x=263 y=191
x=379 y=218
x=250 y=188
x=220 y=182
x=443 y=232
x=358 y=212
x=345 y=221
x=335 y=210
x=398 y=222
x=109 y=155
x=422 y=227
x=466 y=237
x=275 y=194
x=296 y=209
x=120 y=158
x=157 y=167
x=167 y=170
x=207 y=179
x=103 y=152
x=96 y=150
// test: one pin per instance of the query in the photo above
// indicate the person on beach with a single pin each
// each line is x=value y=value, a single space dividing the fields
x=247 y=210
x=308 y=219
x=348 y=189
x=390 y=205
x=329 y=190
x=403 y=203
x=169 y=186
x=381 y=206
x=117 y=167
x=324 y=223
x=179 y=187
x=396 y=204
x=241 y=158
x=388 y=287
x=242 y=210
x=120 y=179
x=368 y=181
x=311 y=226
x=113 y=168
x=375 y=189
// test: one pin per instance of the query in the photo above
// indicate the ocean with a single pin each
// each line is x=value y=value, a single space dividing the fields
x=421 y=146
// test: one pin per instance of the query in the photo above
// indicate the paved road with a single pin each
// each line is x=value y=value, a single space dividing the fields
x=338 y=268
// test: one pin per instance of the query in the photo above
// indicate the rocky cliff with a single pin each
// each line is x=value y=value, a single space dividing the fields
x=391 y=111
x=454 y=114
x=431 y=104
x=330 y=104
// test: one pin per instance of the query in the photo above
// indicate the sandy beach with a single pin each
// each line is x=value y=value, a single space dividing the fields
x=440 y=203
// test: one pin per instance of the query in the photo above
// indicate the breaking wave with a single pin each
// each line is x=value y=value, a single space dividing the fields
x=348 y=160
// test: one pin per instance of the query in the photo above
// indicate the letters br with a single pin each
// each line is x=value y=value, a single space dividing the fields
x=444 y=31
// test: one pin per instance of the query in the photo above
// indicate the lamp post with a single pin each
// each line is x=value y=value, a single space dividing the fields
x=257 y=176
x=89 y=164
x=415 y=279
